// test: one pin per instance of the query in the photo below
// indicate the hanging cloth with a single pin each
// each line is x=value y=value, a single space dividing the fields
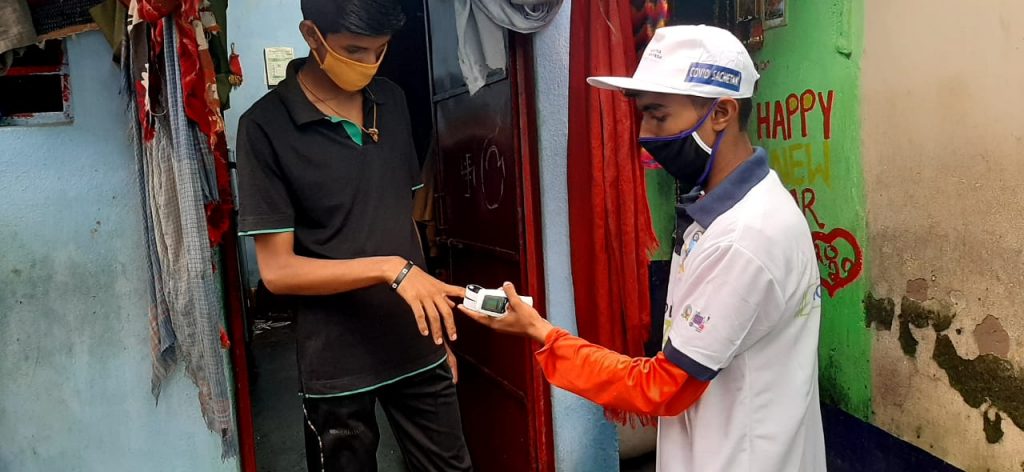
x=479 y=24
x=481 y=45
x=651 y=15
x=16 y=30
x=111 y=17
x=609 y=220
x=174 y=162
x=522 y=16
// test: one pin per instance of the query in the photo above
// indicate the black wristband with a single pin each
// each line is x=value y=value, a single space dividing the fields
x=401 y=276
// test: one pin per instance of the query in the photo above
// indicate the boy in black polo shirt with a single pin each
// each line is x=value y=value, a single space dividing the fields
x=326 y=166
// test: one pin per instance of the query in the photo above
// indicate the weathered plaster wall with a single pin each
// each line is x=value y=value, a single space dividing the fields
x=943 y=143
x=74 y=323
x=807 y=116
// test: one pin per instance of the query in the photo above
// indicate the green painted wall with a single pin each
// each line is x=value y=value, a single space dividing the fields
x=661 y=197
x=807 y=115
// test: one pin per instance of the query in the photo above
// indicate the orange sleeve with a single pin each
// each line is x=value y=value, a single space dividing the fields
x=641 y=385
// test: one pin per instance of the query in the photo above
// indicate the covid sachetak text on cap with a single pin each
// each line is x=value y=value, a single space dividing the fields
x=717 y=76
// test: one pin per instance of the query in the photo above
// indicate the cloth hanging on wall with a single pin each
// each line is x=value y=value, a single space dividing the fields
x=479 y=26
x=214 y=14
x=482 y=45
x=175 y=162
x=16 y=29
x=111 y=18
x=648 y=16
x=609 y=219
x=522 y=16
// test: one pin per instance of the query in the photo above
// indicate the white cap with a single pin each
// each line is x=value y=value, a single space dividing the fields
x=700 y=61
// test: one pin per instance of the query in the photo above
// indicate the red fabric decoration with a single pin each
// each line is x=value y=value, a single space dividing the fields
x=648 y=16
x=225 y=342
x=148 y=131
x=609 y=220
x=193 y=80
x=152 y=11
x=218 y=214
x=235 y=63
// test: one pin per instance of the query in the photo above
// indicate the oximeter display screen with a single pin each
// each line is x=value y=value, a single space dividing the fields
x=494 y=304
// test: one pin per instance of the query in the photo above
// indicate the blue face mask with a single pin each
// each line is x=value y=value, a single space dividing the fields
x=684 y=155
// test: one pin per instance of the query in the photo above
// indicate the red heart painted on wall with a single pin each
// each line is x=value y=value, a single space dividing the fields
x=841 y=271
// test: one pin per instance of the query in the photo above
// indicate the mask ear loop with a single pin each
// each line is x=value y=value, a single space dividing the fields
x=323 y=43
x=711 y=161
x=714 y=149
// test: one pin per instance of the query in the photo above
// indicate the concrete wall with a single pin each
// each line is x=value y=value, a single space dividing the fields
x=583 y=439
x=74 y=328
x=807 y=116
x=914 y=194
x=942 y=160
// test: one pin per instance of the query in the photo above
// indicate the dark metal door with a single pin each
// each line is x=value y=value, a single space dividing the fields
x=486 y=217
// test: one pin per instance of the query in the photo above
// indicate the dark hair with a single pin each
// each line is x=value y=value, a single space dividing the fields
x=746 y=109
x=364 y=17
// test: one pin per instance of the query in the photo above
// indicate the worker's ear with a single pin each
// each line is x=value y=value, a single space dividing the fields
x=726 y=111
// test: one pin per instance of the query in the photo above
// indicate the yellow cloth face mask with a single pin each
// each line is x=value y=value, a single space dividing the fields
x=351 y=76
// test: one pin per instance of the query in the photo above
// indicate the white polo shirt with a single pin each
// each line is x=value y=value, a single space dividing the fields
x=744 y=307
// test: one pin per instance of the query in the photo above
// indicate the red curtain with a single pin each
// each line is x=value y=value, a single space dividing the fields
x=610 y=222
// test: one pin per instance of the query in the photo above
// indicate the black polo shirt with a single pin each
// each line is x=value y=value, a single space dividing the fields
x=345 y=197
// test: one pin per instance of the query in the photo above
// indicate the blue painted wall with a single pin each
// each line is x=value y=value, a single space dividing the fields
x=74 y=328
x=253 y=26
x=583 y=439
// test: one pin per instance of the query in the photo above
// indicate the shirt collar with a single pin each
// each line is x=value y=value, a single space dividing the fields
x=705 y=210
x=300 y=108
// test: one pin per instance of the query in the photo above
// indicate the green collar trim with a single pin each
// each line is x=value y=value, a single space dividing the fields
x=353 y=130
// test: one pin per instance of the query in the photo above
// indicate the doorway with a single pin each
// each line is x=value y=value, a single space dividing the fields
x=487 y=231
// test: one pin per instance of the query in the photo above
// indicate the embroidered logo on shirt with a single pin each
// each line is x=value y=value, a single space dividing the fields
x=812 y=300
x=695 y=319
x=689 y=248
x=693 y=242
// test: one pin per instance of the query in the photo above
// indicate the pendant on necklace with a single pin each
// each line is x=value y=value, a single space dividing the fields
x=374 y=134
